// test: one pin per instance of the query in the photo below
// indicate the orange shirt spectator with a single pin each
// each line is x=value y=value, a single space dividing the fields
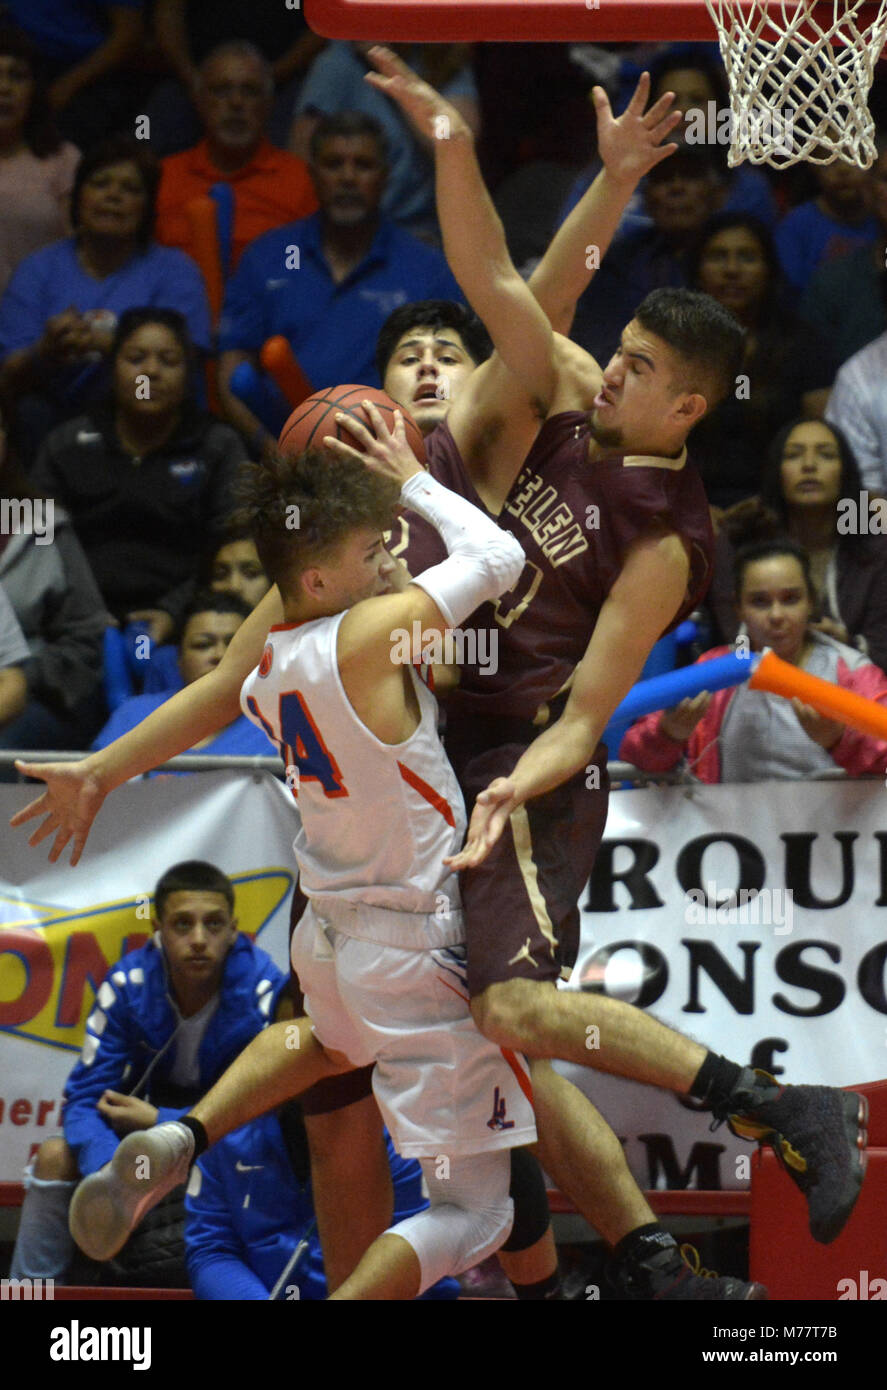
x=273 y=188
x=233 y=93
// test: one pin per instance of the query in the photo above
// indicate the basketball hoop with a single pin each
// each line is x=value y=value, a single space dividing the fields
x=799 y=74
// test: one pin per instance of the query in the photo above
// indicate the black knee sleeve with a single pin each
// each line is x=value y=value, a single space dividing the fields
x=527 y=1191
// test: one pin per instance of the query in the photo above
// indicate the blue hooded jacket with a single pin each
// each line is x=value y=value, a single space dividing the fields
x=134 y=1020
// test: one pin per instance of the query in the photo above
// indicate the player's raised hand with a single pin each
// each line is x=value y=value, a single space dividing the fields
x=488 y=819
x=69 y=805
x=430 y=114
x=630 y=146
x=382 y=450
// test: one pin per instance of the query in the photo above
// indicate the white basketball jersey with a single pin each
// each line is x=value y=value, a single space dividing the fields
x=377 y=818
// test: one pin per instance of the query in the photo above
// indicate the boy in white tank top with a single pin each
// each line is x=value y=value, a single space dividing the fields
x=378 y=952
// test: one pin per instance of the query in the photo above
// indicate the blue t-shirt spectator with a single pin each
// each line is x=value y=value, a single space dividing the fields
x=52 y=280
x=808 y=238
x=332 y=328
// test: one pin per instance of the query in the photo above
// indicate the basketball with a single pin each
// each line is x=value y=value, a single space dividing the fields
x=315 y=419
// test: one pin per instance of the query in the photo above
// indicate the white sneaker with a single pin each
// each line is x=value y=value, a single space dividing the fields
x=108 y=1205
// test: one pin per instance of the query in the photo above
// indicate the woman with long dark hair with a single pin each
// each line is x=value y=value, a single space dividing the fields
x=786 y=372
x=809 y=467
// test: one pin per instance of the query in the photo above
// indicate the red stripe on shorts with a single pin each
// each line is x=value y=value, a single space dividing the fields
x=522 y=1079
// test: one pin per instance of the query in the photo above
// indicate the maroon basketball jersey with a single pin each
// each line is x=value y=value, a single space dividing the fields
x=575 y=520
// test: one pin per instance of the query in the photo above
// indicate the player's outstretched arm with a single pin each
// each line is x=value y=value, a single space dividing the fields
x=75 y=791
x=473 y=236
x=629 y=147
x=641 y=604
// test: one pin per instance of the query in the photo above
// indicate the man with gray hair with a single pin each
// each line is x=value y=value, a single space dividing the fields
x=234 y=94
x=328 y=282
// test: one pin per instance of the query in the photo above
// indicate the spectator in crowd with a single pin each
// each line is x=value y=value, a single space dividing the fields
x=836 y=221
x=809 y=468
x=249 y=1209
x=680 y=194
x=700 y=91
x=786 y=371
x=90 y=51
x=235 y=568
x=145 y=478
x=58 y=313
x=328 y=283
x=188 y=30
x=168 y=1019
x=234 y=90
x=858 y=406
x=37 y=167
x=50 y=586
x=209 y=623
x=14 y=652
x=744 y=735
x=336 y=84
x=846 y=300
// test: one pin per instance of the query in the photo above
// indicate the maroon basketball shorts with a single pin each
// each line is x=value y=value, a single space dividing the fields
x=521 y=904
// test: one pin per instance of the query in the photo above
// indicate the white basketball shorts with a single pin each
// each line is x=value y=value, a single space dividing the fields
x=441 y=1086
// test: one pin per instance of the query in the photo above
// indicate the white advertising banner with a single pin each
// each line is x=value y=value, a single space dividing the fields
x=788 y=972
x=61 y=929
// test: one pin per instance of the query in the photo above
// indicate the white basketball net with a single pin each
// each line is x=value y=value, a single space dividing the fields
x=799 y=74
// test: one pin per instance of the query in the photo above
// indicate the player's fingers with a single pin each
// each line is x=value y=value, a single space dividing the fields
x=49 y=827
x=343 y=450
x=601 y=101
x=355 y=427
x=33 y=808
x=473 y=853
x=657 y=156
x=457 y=862
x=386 y=60
x=380 y=425
x=640 y=95
x=382 y=84
x=667 y=124
x=659 y=110
x=399 y=428
x=392 y=84
x=61 y=840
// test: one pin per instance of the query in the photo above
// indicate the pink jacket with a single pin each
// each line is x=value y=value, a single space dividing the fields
x=647 y=748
